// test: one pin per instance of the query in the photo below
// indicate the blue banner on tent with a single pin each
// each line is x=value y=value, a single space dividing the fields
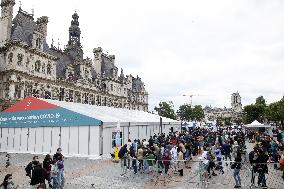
x=46 y=117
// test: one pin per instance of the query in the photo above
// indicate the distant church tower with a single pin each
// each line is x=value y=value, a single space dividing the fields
x=236 y=102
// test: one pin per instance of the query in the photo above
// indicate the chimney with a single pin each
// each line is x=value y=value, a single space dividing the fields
x=42 y=25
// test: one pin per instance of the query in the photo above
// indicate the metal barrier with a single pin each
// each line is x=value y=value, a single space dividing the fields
x=196 y=176
x=86 y=173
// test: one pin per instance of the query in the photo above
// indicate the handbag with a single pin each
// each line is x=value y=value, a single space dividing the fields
x=233 y=166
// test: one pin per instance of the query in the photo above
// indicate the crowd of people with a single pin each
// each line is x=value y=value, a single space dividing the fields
x=213 y=149
x=172 y=153
x=51 y=170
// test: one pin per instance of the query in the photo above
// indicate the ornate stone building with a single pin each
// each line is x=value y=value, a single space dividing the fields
x=236 y=102
x=235 y=112
x=29 y=67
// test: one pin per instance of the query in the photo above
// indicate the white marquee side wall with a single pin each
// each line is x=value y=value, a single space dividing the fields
x=136 y=130
x=82 y=140
x=75 y=140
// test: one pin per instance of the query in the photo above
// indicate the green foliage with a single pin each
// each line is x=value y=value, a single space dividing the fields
x=198 y=113
x=275 y=112
x=254 y=112
x=185 y=112
x=166 y=110
x=228 y=121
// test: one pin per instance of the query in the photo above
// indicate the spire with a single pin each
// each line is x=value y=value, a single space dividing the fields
x=74 y=48
x=74 y=31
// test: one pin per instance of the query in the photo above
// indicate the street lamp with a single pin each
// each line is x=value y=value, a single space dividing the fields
x=190 y=95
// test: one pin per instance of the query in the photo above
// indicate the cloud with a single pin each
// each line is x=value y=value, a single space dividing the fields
x=213 y=48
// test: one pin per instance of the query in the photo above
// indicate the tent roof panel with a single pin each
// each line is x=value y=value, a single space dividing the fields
x=110 y=114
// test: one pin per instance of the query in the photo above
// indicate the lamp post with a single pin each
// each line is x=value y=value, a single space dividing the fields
x=190 y=95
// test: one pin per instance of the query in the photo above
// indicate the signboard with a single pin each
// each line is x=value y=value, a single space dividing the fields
x=32 y=112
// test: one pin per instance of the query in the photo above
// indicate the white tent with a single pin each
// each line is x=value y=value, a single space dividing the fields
x=40 y=126
x=256 y=124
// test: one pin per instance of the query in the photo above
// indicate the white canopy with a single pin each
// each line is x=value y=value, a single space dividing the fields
x=110 y=114
x=256 y=124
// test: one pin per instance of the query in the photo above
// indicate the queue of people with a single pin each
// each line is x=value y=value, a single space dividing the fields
x=174 y=151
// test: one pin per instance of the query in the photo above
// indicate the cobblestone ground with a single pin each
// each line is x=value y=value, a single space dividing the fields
x=86 y=173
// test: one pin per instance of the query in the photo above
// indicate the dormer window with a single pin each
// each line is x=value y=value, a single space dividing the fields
x=38 y=43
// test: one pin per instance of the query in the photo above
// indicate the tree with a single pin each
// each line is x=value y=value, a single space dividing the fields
x=166 y=110
x=275 y=112
x=197 y=113
x=254 y=112
x=185 y=112
x=228 y=121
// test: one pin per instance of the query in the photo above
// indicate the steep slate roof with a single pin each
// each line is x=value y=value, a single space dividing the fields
x=18 y=34
x=27 y=27
x=62 y=63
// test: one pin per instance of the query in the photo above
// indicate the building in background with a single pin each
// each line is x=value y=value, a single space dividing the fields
x=233 y=114
x=236 y=102
x=29 y=67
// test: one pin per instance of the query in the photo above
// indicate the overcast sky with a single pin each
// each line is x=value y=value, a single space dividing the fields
x=208 y=48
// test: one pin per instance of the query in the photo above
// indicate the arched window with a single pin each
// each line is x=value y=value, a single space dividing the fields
x=20 y=59
x=37 y=66
x=10 y=57
x=48 y=69
x=43 y=68
x=38 y=43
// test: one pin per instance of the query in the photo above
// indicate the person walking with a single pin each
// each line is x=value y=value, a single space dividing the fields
x=140 y=158
x=54 y=174
x=61 y=176
x=227 y=151
x=30 y=166
x=47 y=166
x=218 y=155
x=133 y=156
x=237 y=167
x=37 y=175
x=58 y=154
x=180 y=163
x=253 y=155
x=167 y=161
x=8 y=183
x=123 y=154
x=281 y=162
x=262 y=168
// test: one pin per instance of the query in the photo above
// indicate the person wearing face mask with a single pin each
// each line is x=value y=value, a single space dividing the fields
x=58 y=154
x=8 y=183
x=30 y=166
x=38 y=175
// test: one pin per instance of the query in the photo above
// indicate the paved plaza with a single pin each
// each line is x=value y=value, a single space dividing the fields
x=86 y=173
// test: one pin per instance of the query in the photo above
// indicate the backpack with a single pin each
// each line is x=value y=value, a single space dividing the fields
x=121 y=153
x=28 y=169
